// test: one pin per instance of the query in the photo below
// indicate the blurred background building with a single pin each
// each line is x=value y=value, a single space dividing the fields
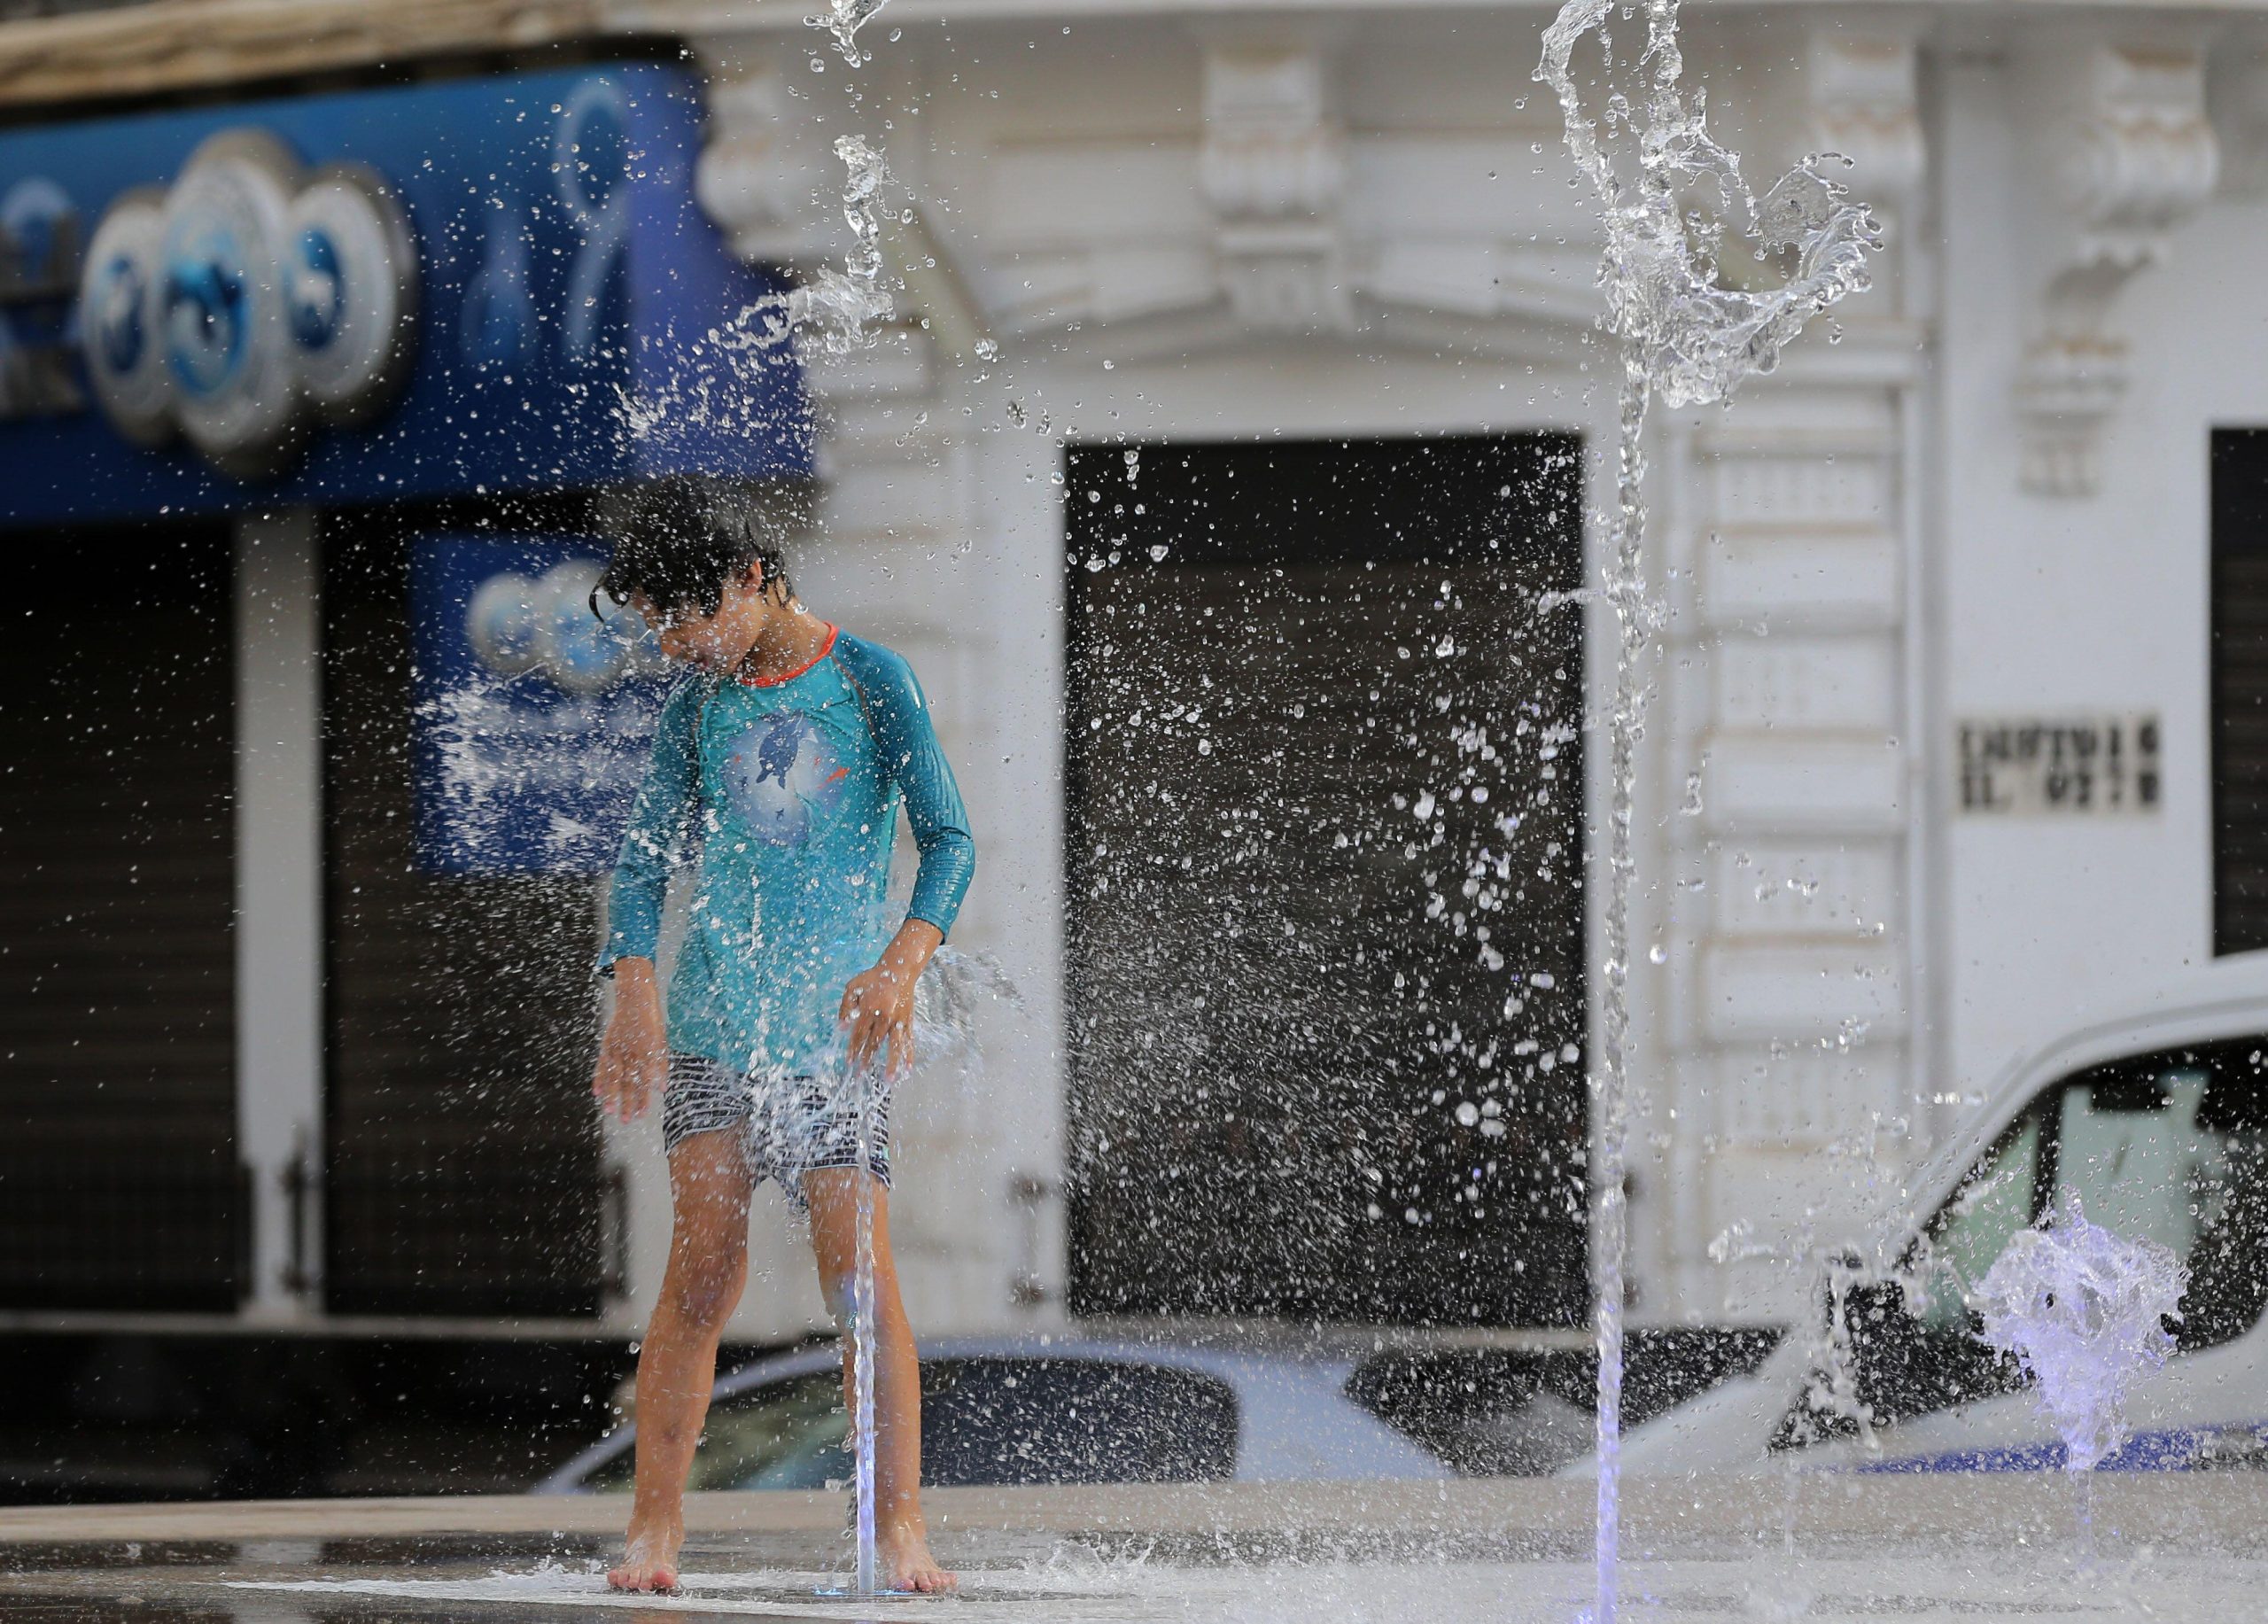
x=1236 y=417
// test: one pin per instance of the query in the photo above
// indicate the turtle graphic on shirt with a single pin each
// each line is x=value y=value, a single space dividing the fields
x=780 y=774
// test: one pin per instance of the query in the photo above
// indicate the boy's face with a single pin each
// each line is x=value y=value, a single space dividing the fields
x=717 y=642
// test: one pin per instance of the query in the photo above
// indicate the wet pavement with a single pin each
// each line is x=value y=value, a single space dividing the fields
x=2178 y=1547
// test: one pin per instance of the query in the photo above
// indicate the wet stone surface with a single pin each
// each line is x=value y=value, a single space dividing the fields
x=1127 y=1577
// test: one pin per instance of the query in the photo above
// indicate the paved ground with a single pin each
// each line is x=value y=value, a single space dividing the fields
x=1972 y=1548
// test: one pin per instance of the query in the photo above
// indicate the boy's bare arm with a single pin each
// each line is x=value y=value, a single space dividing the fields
x=633 y=1055
x=878 y=1005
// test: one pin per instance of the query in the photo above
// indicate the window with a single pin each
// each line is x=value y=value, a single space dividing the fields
x=1998 y=1200
x=983 y=1421
x=2240 y=689
x=786 y=1434
x=462 y=1162
x=1074 y=1421
x=1524 y=1412
x=2166 y=1147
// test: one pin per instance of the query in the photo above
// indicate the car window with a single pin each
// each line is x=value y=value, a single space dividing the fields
x=1994 y=1201
x=1043 y=1420
x=1007 y=1420
x=2171 y=1148
x=1524 y=1411
x=2135 y=1157
x=785 y=1434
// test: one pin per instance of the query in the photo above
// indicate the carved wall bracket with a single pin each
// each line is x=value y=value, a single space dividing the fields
x=2134 y=158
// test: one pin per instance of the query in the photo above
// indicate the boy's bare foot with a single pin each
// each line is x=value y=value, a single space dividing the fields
x=649 y=1557
x=902 y=1552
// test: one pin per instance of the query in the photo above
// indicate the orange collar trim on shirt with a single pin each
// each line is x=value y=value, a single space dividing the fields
x=825 y=649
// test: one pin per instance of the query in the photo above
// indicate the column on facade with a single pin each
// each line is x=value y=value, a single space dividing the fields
x=279 y=905
x=1789 y=1017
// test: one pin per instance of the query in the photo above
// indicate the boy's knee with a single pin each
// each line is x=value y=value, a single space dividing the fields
x=704 y=1290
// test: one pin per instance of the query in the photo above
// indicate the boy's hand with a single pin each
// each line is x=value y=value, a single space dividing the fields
x=877 y=1013
x=634 y=1056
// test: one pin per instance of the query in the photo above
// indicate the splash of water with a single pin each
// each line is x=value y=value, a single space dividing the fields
x=840 y=308
x=2083 y=1311
x=1691 y=339
x=862 y=1333
x=843 y=19
x=949 y=1002
x=1683 y=334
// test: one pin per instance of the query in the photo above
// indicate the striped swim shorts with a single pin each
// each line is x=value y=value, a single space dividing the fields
x=792 y=1125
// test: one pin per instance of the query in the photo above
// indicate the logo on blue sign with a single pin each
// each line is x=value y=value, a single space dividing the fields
x=248 y=300
x=545 y=625
x=39 y=267
x=591 y=160
x=115 y=298
x=535 y=716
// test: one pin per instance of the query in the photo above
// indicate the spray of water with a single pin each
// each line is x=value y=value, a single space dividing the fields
x=862 y=1333
x=1683 y=334
x=839 y=308
x=2083 y=1311
x=949 y=1002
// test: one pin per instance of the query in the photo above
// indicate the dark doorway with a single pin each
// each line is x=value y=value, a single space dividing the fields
x=1324 y=869
x=120 y=1186
x=462 y=1165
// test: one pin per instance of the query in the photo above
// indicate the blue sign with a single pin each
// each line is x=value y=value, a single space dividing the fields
x=486 y=285
x=534 y=716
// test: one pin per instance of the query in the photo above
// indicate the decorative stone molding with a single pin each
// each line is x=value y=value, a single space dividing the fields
x=1866 y=105
x=2134 y=156
x=757 y=177
x=1272 y=167
x=1788 y=990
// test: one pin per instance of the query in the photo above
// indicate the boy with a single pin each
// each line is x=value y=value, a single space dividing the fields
x=785 y=756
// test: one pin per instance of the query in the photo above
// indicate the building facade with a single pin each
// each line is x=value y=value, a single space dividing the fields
x=1937 y=737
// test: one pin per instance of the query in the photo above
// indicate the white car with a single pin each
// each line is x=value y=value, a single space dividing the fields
x=2160 y=1127
x=1045 y=1410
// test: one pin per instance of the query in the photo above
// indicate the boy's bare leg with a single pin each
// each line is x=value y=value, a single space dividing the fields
x=709 y=1193
x=901 y=1537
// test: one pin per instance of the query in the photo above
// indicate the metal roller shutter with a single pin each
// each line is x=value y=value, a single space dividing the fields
x=2240 y=689
x=120 y=1187
x=463 y=1163
x=1326 y=820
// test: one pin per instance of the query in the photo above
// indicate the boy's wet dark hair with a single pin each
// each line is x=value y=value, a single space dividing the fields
x=683 y=540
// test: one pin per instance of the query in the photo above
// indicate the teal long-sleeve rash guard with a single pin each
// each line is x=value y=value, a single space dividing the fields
x=790 y=789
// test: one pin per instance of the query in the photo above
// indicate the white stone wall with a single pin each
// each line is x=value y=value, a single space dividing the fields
x=2063 y=603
